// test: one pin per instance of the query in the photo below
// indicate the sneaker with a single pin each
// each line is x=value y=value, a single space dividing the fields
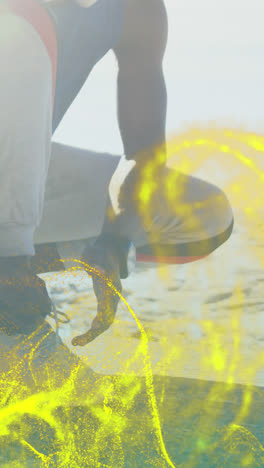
x=24 y=301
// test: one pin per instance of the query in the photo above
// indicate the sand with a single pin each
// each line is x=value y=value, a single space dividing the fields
x=203 y=320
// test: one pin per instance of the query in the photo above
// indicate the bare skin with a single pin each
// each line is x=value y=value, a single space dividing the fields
x=141 y=115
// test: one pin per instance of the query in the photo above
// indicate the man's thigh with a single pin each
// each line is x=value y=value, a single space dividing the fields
x=76 y=194
x=192 y=210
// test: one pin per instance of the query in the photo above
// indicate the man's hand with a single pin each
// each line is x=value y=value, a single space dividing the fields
x=135 y=191
x=105 y=262
x=123 y=185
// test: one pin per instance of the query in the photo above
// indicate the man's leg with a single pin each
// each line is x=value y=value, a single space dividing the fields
x=25 y=135
x=76 y=194
x=190 y=217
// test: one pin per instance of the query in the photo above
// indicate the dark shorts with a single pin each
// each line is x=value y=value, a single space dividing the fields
x=84 y=36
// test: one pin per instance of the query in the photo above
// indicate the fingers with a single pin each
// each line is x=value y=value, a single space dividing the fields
x=98 y=327
x=87 y=337
x=107 y=300
x=103 y=320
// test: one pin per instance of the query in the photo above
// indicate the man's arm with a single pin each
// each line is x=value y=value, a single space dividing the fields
x=142 y=99
x=142 y=103
x=142 y=106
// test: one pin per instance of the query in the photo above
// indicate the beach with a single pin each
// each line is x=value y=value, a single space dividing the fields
x=203 y=320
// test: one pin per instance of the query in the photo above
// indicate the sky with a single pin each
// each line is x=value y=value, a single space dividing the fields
x=214 y=71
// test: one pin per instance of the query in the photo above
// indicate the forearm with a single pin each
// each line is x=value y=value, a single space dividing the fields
x=142 y=106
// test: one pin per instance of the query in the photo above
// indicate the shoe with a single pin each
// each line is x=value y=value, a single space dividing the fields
x=24 y=301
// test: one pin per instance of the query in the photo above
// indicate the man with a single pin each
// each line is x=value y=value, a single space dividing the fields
x=86 y=30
